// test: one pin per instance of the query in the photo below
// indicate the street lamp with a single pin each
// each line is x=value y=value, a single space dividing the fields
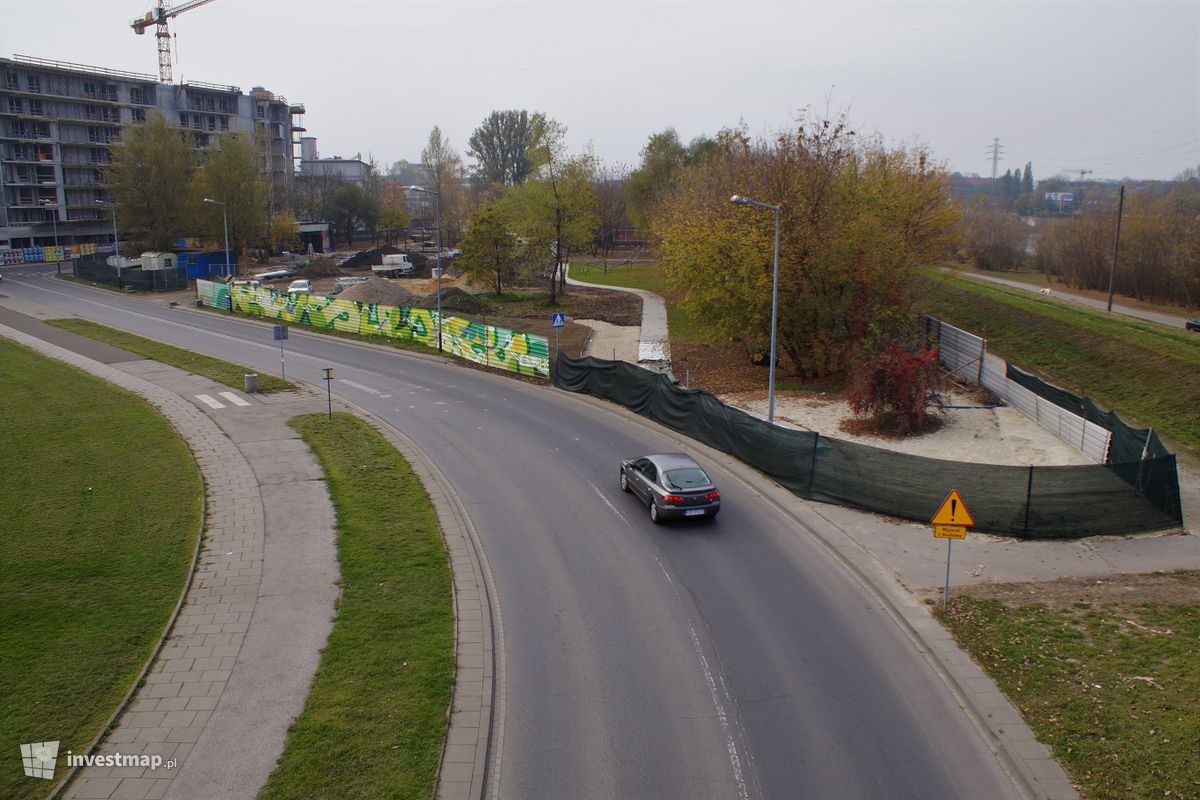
x=224 y=217
x=437 y=197
x=746 y=201
x=116 y=245
x=54 y=219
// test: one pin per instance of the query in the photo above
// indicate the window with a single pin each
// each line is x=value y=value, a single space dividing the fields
x=89 y=90
x=183 y=119
x=139 y=114
x=197 y=122
x=35 y=108
x=136 y=96
x=260 y=112
x=109 y=92
x=224 y=123
x=14 y=105
x=91 y=112
x=34 y=83
x=210 y=123
x=97 y=155
x=12 y=81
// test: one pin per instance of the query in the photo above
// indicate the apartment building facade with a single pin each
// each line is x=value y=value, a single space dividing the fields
x=59 y=121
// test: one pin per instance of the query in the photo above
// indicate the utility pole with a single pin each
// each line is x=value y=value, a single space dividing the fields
x=1116 y=243
x=996 y=150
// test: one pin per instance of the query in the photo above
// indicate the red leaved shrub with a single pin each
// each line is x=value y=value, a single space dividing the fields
x=895 y=386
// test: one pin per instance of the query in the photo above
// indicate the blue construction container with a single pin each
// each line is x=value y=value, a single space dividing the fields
x=206 y=264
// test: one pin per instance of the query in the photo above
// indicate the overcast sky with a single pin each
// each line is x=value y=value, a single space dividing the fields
x=1111 y=87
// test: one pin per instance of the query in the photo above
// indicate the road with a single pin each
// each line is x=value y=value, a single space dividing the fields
x=1152 y=316
x=734 y=659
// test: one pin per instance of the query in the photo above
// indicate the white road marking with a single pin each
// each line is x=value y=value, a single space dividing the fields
x=735 y=760
x=233 y=398
x=210 y=401
x=600 y=494
x=360 y=387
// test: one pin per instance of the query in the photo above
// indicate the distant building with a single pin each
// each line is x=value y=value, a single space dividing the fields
x=338 y=169
x=58 y=122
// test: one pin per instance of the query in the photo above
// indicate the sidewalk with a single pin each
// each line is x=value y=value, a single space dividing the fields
x=236 y=666
x=654 y=349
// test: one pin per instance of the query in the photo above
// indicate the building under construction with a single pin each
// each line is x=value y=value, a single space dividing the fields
x=58 y=122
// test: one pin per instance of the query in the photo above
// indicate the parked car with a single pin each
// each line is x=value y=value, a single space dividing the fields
x=1193 y=324
x=300 y=286
x=671 y=485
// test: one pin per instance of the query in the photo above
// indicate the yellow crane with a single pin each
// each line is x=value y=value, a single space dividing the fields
x=158 y=17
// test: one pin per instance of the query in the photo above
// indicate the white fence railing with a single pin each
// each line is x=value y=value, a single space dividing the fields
x=965 y=357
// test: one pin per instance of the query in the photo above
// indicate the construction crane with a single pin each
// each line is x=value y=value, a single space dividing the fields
x=158 y=17
x=1083 y=172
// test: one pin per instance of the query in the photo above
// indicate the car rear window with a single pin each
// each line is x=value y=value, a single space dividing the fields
x=686 y=478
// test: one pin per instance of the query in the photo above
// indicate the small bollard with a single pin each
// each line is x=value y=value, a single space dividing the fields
x=251 y=382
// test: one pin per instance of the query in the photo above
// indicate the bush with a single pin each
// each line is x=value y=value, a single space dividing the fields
x=895 y=386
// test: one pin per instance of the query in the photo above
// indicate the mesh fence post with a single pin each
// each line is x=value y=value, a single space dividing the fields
x=1028 y=499
x=812 y=466
x=982 y=355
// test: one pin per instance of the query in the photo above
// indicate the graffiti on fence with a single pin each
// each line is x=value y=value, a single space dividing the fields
x=524 y=353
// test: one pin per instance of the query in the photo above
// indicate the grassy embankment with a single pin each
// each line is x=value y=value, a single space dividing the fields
x=1150 y=373
x=99 y=516
x=373 y=724
x=1112 y=688
x=214 y=369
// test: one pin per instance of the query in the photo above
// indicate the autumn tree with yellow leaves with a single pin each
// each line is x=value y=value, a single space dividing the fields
x=857 y=219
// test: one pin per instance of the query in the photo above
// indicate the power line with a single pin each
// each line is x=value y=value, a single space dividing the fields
x=995 y=151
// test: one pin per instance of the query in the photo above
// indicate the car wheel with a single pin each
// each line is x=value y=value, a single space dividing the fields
x=654 y=513
x=624 y=482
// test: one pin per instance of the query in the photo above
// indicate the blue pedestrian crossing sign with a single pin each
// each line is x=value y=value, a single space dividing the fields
x=558 y=320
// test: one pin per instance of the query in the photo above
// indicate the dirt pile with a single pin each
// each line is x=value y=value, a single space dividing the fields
x=455 y=299
x=380 y=290
x=316 y=267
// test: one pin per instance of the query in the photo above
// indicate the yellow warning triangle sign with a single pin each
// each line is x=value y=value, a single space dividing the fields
x=953 y=512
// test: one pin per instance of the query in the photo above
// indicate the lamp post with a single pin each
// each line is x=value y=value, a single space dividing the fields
x=116 y=245
x=225 y=218
x=53 y=219
x=746 y=201
x=437 y=198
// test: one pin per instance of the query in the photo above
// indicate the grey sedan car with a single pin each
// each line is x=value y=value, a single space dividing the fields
x=671 y=485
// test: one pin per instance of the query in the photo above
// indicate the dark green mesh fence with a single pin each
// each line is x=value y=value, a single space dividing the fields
x=1028 y=502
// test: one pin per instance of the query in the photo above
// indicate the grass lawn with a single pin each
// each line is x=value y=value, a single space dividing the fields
x=98 y=523
x=223 y=372
x=374 y=721
x=1150 y=373
x=1111 y=687
x=643 y=275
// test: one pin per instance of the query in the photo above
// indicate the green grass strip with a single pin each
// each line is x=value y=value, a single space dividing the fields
x=99 y=514
x=214 y=369
x=1149 y=372
x=373 y=725
x=1113 y=690
x=645 y=275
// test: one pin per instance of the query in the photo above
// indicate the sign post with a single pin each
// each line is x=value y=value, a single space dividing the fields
x=280 y=335
x=328 y=395
x=951 y=522
x=557 y=320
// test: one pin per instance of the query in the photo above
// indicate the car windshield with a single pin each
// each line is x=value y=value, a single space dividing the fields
x=687 y=478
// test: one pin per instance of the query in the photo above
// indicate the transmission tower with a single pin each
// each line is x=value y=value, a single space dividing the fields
x=995 y=151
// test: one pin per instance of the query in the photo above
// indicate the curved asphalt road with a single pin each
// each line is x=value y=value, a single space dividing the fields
x=733 y=659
